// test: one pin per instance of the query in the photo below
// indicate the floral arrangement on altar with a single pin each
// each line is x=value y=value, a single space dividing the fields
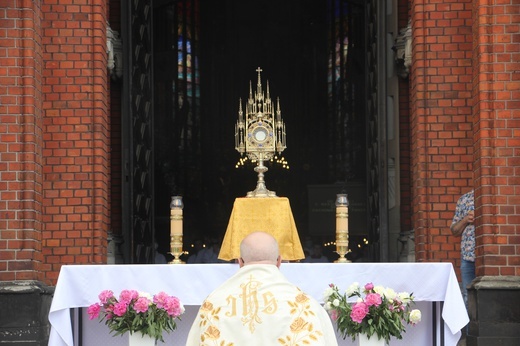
x=377 y=311
x=137 y=312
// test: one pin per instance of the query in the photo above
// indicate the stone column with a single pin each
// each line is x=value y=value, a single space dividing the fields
x=494 y=309
x=25 y=309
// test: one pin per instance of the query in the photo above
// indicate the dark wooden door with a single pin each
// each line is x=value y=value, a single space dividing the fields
x=137 y=133
x=376 y=131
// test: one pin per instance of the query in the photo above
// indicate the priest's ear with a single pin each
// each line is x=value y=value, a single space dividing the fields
x=240 y=262
x=279 y=261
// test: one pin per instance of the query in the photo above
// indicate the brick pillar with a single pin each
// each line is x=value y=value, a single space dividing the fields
x=496 y=124
x=440 y=123
x=20 y=143
x=76 y=134
x=24 y=299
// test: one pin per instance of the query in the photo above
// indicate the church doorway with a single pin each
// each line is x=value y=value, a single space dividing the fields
x=191 y=61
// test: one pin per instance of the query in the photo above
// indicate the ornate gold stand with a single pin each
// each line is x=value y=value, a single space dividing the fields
x=261 y=190
x=176 y=247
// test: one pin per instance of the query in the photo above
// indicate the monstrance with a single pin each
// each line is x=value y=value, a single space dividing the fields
x=260 y=134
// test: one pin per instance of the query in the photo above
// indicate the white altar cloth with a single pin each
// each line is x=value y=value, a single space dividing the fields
x=79 y=286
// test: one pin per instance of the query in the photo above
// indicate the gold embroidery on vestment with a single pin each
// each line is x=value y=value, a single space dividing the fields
x=302 y=330
x=270 y=305
x=209 y=316
x=250 y=303
x=233 y=301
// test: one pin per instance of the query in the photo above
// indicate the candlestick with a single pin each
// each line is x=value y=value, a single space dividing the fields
x=176 y=206
x=342 y=227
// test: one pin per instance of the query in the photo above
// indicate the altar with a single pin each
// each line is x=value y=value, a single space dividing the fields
x=434 y=286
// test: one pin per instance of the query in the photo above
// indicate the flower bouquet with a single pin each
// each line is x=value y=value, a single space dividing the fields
x=376 y=310
x=137 y=312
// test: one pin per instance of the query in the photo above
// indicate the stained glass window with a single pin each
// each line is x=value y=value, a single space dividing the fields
x=345 y=89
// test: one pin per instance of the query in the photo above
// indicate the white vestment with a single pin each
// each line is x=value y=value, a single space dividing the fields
x=259 y=306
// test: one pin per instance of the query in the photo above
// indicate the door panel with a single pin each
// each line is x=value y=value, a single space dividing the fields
x=138 y=135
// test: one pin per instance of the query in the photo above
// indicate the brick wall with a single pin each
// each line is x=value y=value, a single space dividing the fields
x=20 y=141
x=55 y=113
x=76 y=153
x=496 y=123
x=465 y=127
x=441 y=122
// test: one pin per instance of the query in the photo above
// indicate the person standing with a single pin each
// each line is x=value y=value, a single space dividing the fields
x=316 y=255
x=462 y=225
x=258 y=306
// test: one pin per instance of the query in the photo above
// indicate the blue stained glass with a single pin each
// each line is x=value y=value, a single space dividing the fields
x=180 y=44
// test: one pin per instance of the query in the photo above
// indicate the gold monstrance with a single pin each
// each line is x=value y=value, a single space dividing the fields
x=260 y=135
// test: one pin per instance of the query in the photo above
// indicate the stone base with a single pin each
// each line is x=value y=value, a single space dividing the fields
x=494 y=311
x=24 y=314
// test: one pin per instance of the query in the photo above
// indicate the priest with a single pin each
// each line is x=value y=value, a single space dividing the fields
x=259 y=306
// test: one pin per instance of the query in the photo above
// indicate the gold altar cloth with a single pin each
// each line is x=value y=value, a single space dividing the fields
x=272 y=215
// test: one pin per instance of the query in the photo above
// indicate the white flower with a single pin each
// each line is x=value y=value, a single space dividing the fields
x=328 y=292
x=335 y=302
x=354 y=288
x=145 y=295
x=389 y=294
x=415 y=316
x=327 y=306
x=405 y=297
x=359 y=300
x=379 y=289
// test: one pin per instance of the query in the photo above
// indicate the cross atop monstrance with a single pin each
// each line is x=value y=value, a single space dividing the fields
x=259 y=135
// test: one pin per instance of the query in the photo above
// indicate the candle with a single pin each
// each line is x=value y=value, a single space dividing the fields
x=176 y=221
x=176 y=206
x=341 y=227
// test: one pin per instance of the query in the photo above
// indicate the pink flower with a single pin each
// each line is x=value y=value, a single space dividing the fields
x=109 y=311
x=160 y=299
x=334 y=315
x=93 y=311
x=372 y=310
x=173 y=306
x=126 y=296
x=120 y=309
x=134 y=311
x=399 y=306
x=105 y=295
x=142 y=304
x=359 y=311
x=373 y=299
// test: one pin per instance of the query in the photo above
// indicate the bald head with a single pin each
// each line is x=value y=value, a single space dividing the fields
x=259 y=248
